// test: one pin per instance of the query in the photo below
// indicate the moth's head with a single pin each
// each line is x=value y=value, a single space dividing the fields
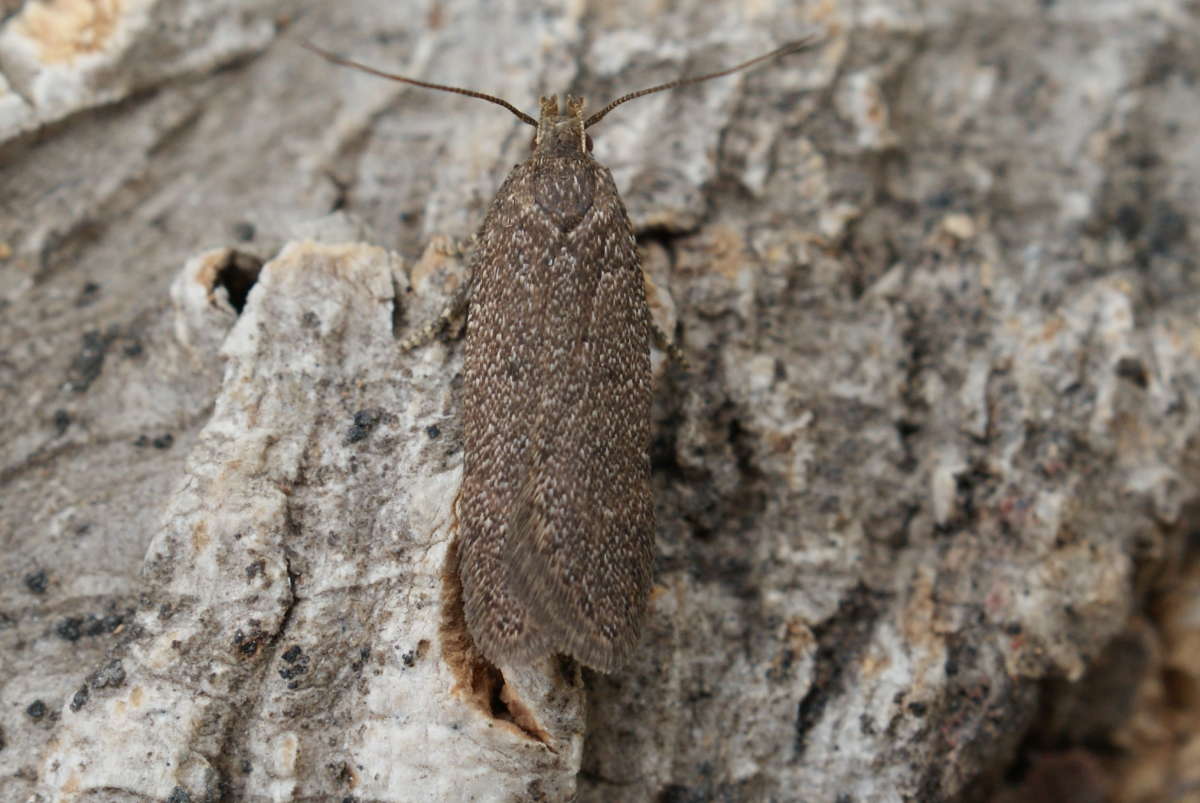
x=561 y=134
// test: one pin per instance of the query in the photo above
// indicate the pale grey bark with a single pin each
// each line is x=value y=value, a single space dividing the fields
x=935 y=279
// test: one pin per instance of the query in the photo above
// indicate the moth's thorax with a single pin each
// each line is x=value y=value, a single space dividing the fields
x=560 y=134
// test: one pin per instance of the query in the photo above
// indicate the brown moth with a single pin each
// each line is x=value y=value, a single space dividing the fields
x=556 y=546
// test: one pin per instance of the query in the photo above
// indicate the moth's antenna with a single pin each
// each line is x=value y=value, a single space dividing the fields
x=790 y=47
x=336 y=59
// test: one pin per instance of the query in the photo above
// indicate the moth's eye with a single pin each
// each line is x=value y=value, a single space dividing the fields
x=587 y=141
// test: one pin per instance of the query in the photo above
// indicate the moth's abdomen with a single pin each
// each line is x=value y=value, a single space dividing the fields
x=557 y=521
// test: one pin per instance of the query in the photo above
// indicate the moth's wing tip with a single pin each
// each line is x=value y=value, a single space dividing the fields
x=505 y=634
x=503 y=640
x=605 y=658
x=502 y=645
x=558 y=630
x=594 y=653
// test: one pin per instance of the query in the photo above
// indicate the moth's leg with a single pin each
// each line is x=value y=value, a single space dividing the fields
x=458 y=303
x=454 y=248
x=668 y=346
x=453 y=310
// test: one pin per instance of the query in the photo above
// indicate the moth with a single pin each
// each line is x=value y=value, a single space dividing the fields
x=556 y=541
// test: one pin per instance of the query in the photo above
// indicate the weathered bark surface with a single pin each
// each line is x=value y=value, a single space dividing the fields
x=935 y=279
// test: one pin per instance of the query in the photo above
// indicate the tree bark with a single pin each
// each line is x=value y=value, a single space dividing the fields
x=934 y=278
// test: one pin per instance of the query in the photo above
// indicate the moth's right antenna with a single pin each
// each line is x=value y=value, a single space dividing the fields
x=790 y=47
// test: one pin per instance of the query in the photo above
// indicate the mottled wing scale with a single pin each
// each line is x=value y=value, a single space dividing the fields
x=556 y=512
